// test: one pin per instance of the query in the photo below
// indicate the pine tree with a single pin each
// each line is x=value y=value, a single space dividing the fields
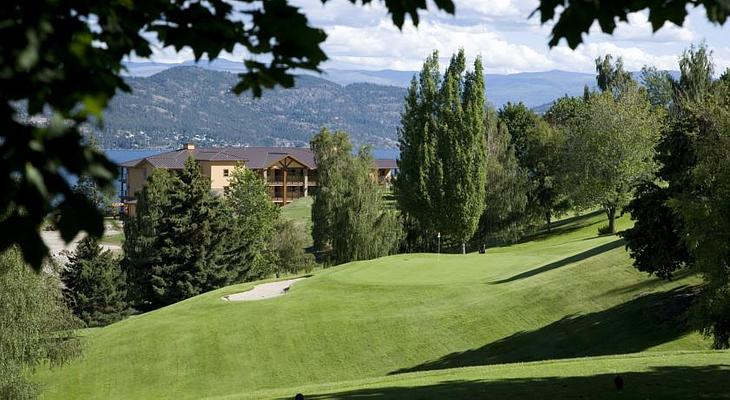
x=140 y=236
x=177 y=241
x=189 y=258
x=95 y=287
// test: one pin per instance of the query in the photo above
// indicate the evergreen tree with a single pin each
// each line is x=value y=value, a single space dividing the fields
x=655 y=241
x=189 y=258
x=140 y=236
x=95 y=288
x=177 y=241
x=252 y=231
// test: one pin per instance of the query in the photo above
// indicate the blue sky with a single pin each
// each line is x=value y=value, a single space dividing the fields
x=362 y=37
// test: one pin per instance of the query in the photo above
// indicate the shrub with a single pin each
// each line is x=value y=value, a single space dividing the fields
x=289 y=243
x=604 y=230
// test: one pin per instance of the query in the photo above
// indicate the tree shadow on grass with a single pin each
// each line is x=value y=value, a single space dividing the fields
x=565 y=261
x=676 y=383
x=563 y=226
x=631 y=327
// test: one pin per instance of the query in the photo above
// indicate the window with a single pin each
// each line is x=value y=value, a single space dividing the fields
x=225 y=172
x=226 y=190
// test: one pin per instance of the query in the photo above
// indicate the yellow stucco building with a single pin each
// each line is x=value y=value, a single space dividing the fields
x=289 y=172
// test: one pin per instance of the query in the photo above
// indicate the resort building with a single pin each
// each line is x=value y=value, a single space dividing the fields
x=289 y=172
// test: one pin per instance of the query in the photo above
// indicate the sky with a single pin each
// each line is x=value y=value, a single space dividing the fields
x=363 y=37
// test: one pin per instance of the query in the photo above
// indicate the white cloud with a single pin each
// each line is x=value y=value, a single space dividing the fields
x=384 y=46
x=364 y=37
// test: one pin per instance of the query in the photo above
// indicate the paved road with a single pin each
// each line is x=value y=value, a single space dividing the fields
x=263 y=291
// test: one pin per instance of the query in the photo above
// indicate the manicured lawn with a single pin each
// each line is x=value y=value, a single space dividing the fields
x=658 y=375
x=564 y=295
x=300 y=210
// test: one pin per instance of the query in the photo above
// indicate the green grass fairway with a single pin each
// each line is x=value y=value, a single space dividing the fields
x=300 y=210
x=659 y=375
x=396 y=327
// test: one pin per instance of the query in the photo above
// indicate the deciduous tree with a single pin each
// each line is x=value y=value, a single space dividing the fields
x=36 y=326
x=611 y=149
x=252 y=219
x=351 y=220
x=443 y=145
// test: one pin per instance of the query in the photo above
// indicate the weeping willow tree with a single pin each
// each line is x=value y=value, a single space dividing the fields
x=35 y=326
x=351 y=219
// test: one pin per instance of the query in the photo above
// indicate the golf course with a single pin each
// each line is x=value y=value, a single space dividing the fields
x=554 y=317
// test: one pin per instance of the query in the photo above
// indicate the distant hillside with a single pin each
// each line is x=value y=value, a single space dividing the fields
x=532 y=88
x=173 y=103
x=183 y=103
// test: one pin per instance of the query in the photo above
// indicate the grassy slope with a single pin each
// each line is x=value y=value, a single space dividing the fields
x=300 y=210
x=570 y=294
x=656 y=375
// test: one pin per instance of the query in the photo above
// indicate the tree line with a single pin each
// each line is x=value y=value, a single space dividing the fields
x=656 y=148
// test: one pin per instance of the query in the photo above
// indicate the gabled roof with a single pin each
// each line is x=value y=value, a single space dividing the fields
x=383 y=163
x=253 y=157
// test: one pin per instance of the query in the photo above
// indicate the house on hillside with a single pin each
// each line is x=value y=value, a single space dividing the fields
x=289 y=172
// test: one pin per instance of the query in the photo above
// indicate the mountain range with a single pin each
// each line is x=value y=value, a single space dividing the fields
x=532 y=88
x=174 y=103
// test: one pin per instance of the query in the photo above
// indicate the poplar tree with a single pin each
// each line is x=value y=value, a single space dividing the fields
x=462 y=149
x=441 y=182
x=418 y=186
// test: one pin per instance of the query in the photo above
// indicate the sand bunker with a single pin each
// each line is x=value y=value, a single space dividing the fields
x=263 y=291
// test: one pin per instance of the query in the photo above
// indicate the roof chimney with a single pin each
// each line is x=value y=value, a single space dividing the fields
x=189 y=146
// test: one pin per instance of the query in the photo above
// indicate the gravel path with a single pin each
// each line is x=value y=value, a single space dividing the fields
x=57 y=245
x=263 y=291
